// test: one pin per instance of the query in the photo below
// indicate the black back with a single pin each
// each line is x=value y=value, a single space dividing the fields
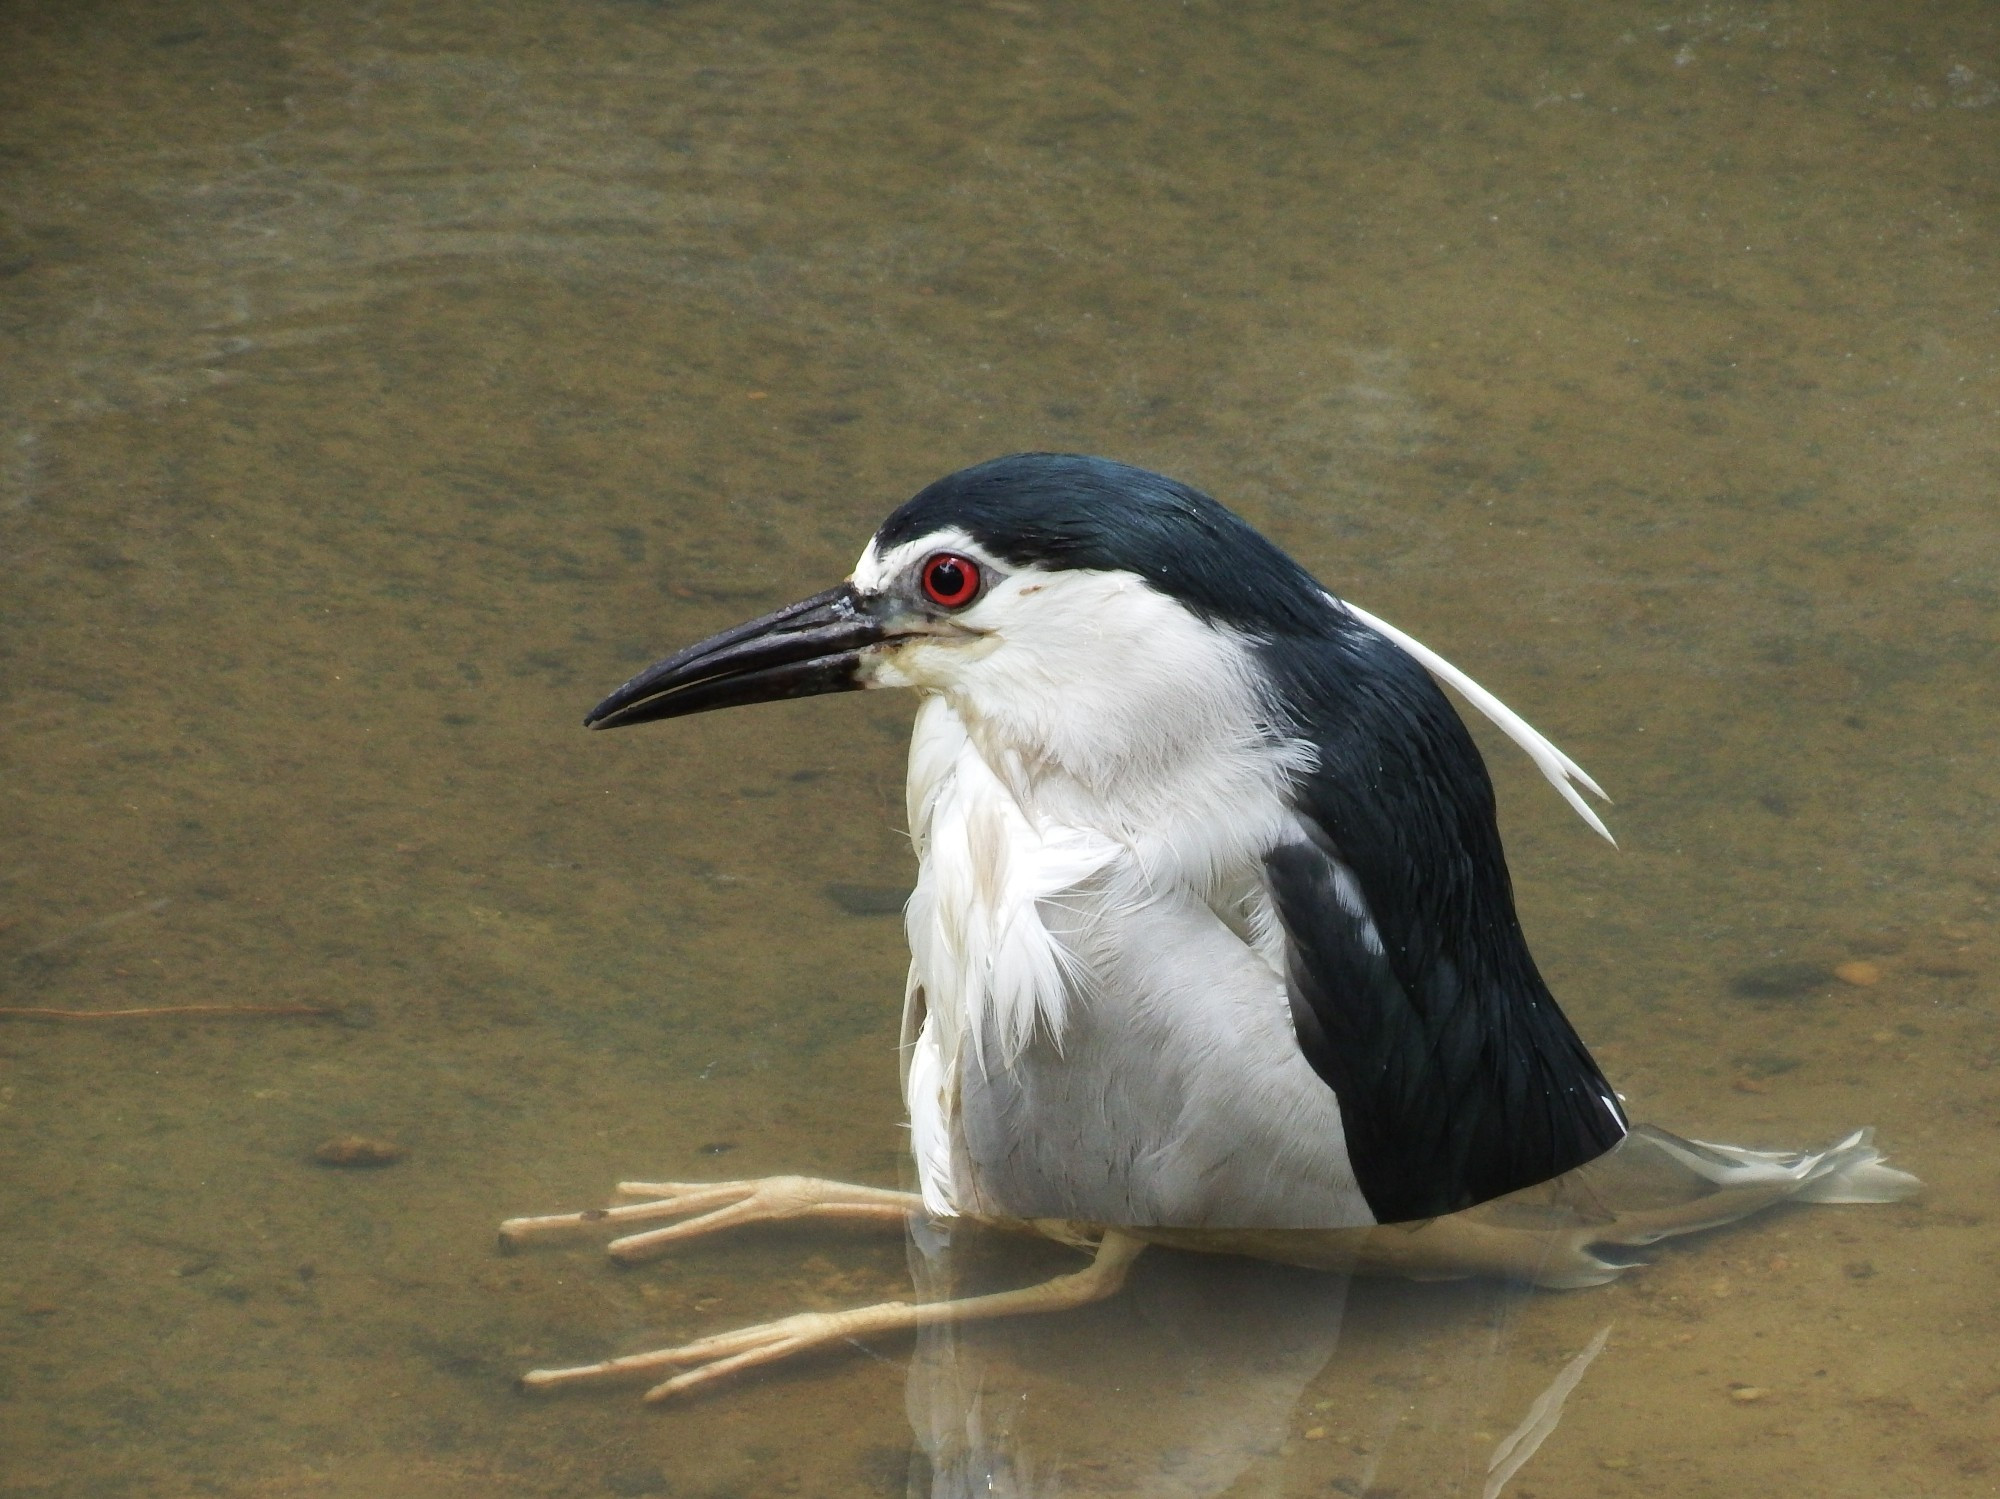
x=1459 y=1078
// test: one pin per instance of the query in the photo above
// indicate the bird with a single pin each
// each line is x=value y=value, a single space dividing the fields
x=1213 y=941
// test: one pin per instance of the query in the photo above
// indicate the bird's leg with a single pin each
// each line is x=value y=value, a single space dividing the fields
x=718 y=1205
x=767 y=1342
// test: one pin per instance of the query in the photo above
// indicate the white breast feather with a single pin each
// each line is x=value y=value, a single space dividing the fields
x=929 y=1092
x=981 y=959
x=1107 y=752
x=987 y=962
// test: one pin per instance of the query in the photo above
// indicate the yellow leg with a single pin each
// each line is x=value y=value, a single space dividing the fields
x=718 y=1205
x=726 y=1353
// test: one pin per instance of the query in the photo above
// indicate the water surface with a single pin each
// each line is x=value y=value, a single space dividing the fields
x=379 y=385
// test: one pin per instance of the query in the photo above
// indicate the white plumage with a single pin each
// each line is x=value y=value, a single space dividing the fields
x=1089 y=800
x=1562 y=772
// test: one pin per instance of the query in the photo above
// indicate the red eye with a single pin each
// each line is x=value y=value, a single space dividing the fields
x=951 y=580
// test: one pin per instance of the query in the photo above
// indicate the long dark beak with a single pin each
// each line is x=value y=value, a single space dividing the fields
x=806 y=648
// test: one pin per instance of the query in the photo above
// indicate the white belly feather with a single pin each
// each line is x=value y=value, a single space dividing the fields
x=1095 y=1026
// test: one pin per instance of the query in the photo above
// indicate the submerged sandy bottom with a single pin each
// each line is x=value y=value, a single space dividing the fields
x=382 y=389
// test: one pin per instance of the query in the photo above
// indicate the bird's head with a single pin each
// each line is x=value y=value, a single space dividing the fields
x=1075 y=610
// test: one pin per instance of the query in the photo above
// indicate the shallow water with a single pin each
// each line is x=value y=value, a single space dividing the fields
x=382 y=384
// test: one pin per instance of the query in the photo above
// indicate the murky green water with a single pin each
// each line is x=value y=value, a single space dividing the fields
x=383 y=383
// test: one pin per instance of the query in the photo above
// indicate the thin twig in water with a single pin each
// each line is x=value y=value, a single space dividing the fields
x=20 y=1012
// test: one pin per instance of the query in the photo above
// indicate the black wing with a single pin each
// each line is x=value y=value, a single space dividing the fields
x=1412 y=988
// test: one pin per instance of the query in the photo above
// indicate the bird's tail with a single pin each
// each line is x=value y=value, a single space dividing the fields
x=1656 y=1185
x=1581 y=1228
x=1849 y=1170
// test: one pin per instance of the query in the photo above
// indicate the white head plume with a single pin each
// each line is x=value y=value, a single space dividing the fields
x=1563 y=773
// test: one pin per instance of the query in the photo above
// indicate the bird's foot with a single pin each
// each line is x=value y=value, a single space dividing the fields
x=767 y=1342
x=705 y=1207
x=726 y=1353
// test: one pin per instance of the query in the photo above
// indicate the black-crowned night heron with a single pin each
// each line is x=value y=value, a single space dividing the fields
x=1212 y=942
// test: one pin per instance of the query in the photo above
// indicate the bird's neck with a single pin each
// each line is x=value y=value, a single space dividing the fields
x=1196 y=802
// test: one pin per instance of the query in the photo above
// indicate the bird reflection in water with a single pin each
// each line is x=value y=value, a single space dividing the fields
x=1193 y=1382
x=1177 y=1387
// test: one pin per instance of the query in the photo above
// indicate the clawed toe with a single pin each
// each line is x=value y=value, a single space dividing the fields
x=705 y=1207
x=713 y=1357
x=767 y=1342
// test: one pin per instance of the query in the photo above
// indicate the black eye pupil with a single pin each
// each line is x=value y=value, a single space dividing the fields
x=947 y=578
